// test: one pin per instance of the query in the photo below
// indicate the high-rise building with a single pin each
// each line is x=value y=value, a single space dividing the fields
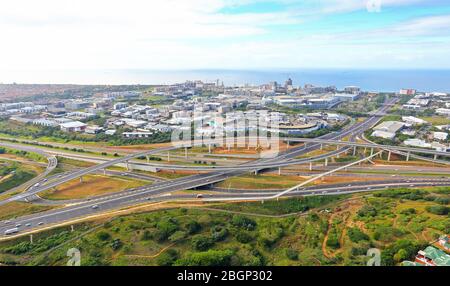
x=288 y=83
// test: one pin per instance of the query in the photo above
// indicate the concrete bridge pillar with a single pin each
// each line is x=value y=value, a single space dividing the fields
x=209 y=148
x=321 y=146
x=407 y=156
x=185 y=152
x=371 y=151
x=279 y=171
x=104 y=172
x=435 y=156
x=389 y=156
x=168 y=156
x=31 y=238
x=354 y=151
x=81 y=179
x=326 y=162
x=310 y=166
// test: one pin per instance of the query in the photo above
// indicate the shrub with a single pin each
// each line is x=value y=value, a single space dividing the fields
x=201 y=243
x=147 y=235
x=356 y=235
x=243 y=237
x=292 y=254
x=116 y=244
x=243 y=222
x=367 y=211
x=333 y=242
x=193 y=227
x=166 y=228
x=103 y=236
x=167 y=258
x=218 y=233
x=438 y=210
x=270 y=236
x=409 y=211
x=442 y=201
x=387 y=234
x=208 y=258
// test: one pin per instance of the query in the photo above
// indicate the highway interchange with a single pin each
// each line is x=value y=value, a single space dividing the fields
x=164 y=190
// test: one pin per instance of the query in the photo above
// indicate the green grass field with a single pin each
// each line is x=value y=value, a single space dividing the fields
x=13 y=174
x=437 y=120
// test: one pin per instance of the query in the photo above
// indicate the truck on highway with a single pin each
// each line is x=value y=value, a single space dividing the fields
x=11 y=231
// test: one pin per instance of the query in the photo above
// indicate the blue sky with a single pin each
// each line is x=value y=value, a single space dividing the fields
x=223 y=34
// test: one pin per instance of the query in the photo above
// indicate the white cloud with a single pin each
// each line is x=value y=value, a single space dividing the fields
x=173 y=34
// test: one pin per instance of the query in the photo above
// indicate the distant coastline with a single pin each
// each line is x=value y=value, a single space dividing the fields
x=370 y=80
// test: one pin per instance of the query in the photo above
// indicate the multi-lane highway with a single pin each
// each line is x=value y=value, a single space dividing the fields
x=162 y=189
x=92 y=208
x=51 y=165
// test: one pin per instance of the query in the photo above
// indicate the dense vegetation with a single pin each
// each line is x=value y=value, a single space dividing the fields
x=339 y=231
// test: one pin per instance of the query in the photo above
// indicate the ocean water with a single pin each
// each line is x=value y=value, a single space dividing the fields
x=368 y=80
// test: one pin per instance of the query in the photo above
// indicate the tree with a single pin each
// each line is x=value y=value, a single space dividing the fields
x=201 y=243
x=166 y=228
x=438 y=210
x=218 y=233
x=292 y=254
x=400 y=250
x=243 y=236
x=193 y=227
x=103 y=236
x=116 y=244
x=367 y=211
